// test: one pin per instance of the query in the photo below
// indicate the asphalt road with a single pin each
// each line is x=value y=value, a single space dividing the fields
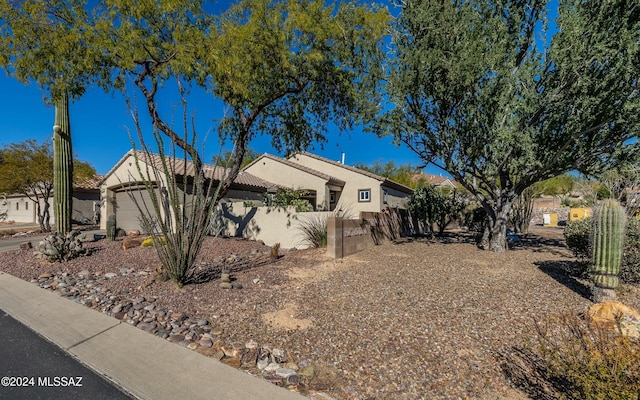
x=33 y=368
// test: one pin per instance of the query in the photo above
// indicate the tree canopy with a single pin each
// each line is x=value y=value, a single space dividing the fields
x=403 y=174
x=488 y=92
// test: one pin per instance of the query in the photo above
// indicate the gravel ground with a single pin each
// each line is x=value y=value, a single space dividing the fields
x=409 y=320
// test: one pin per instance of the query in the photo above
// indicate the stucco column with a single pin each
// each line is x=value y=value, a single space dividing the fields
x=334 y=237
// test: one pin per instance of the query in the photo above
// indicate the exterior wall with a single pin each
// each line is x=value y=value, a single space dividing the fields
x=271 y=225
x=126 y=173
x=354 y=181
x=276 y=172
x=84 y=206
x=25 y=212
x=349 y=236
x=537 y=217
x=395 y=198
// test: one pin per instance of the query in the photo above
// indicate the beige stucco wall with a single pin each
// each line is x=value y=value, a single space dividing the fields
x=354 y=182
x=283 y=175
x=271 y=225
x=395 y=198
x=125 y=173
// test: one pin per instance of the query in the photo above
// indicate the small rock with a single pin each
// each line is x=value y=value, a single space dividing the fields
x=225 y=285
x=205 y=343
x=110 y=275
x=236 y=285
x=272 y=367
x=45 y=276
x=307 y=371
x=290 y=377
x=217 y=331
x=256 y=281
x=251 y=344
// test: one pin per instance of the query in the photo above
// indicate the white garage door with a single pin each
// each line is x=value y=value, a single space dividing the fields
x=127 y=213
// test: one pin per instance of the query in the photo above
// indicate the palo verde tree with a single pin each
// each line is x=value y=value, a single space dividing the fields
x=487 y=91
x=27 y=168
x=283 y=68
x=46 y=42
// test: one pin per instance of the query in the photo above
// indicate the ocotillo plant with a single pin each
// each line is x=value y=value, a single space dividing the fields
x=608 y=239
x=62 y=166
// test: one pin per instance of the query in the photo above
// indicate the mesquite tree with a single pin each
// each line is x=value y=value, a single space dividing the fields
x=488 y=92
x=46 y=42
x=284 y=68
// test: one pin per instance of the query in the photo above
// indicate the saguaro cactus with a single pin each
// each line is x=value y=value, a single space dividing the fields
x=62 y=166
x=608 y=240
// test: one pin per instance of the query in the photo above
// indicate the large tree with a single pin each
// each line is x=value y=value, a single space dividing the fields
x=283 y=68
x=488 y=92
x=27 y=168
x=46 y=42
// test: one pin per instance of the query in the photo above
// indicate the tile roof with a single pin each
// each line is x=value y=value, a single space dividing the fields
x=186 y=168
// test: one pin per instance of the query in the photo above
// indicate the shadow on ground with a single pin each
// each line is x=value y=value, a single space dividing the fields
x=564 y=272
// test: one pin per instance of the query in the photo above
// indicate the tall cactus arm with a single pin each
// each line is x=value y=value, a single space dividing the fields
x=62 y=166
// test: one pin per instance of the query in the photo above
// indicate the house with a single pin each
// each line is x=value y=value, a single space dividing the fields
x=331 y=184
x=86 y=204
x=127 y=177
x=435 y=180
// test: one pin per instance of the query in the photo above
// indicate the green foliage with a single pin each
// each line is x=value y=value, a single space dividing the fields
x=609 y=223
x=479 y=94
x=402 y=174
x=578 y=238
x=433 y=207
x=314 y=231
x=59 y=247
x=286 y=197
x=227 y=159
x=581 y=360
x=577 y=235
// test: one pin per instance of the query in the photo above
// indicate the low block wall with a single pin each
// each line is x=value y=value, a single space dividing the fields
x=349 y=236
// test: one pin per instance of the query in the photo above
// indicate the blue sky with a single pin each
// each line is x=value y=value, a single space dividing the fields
x=101 y=122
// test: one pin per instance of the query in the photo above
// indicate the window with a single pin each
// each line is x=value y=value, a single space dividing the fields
x=17 y=206
x=26 y=206
x=333 y=197
x=384 y=196
x=364 y=195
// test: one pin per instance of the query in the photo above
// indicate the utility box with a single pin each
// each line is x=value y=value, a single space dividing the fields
x=550 y=219
x=576 y=214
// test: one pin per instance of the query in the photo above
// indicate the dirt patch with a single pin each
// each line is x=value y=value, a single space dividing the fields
x=285 y=319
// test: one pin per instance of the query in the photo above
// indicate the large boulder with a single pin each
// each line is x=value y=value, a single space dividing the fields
x=615 y=315
x=132 y=241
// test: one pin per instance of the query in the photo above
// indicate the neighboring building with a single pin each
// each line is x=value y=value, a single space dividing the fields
x=331 y=184
x=435 y=180
x=125 y=180
x=86 y=205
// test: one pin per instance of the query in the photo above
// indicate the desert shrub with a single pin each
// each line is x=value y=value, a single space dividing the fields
x=314 y=231
x=630 y=268
x=577 y=235
x=584 y=361
x=59 y=247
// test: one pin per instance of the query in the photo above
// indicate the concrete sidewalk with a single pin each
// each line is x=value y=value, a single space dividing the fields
x=144 y=365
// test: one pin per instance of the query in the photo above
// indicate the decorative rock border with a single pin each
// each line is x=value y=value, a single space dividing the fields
x=274 y=365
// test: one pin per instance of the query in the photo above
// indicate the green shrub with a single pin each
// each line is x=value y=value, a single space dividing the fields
x=59 y=247
x=577 y=235
x=314 y=231
x=584 y=361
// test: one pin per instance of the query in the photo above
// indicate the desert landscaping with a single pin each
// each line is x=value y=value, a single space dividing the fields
x=418 y=318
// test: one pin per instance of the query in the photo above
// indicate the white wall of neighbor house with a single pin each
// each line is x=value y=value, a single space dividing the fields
x=270 y=224
x=356 y=184
x=18 y=209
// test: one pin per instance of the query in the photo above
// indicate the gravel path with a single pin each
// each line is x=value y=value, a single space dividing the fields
x=410 y=320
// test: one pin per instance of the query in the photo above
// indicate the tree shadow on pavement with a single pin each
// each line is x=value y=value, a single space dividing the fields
x=561 y=271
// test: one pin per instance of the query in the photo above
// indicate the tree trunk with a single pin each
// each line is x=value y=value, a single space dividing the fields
x=62 y=166
x=496 y=232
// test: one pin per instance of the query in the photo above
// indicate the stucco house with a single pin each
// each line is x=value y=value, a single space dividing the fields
x=126 y=179
x=331 y=184
x=86 y=204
